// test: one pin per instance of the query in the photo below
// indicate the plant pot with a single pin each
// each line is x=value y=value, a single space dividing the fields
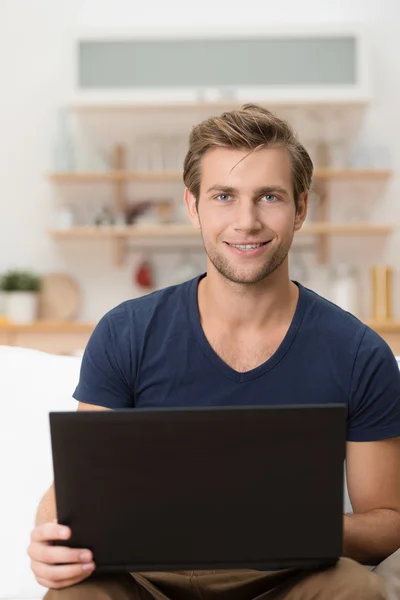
x=21 y=307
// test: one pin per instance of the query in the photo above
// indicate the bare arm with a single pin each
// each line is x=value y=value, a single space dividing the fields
x=373 y=479
x=55 y=566
x=46 y=511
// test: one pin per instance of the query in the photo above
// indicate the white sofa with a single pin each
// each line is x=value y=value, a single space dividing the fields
x=32 y=384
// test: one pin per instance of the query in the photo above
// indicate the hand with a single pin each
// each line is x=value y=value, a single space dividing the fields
x=57 y=567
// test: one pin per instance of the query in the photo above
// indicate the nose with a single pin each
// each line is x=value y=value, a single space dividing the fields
x=246 y=217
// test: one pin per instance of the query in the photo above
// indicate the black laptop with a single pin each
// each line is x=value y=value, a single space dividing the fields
x=202 y=488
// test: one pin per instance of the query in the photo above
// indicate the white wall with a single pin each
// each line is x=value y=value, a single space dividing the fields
x=36 y=66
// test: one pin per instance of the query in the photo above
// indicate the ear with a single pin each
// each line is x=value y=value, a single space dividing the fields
x=301 y=211
x=190 y=202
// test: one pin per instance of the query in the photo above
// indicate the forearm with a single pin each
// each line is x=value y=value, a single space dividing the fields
x=47 y=511
x=371 y=537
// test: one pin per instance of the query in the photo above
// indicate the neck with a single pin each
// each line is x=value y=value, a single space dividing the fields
x=234 y=305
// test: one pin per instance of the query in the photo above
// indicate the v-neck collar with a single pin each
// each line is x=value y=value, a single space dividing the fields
x=217 y=360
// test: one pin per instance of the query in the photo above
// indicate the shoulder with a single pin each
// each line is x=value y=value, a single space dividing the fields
x=119 y=335
x=138 y=313
x=349 y=339
x=330 y=320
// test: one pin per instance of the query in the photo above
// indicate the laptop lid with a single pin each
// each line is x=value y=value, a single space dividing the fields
x=202 y=488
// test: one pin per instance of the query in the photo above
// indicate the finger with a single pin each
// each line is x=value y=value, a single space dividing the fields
x=58 y=554
x=50 y=532
x=62 y=572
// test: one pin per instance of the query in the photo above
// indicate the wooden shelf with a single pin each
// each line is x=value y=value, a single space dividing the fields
x=113 y=104
x=79 y=327
x=344 y=229
x=188 y=231
x=113 y=177
x=384 y=326
x=126 y=176
x=375 y=174
x=48 y=327
x=132 y=231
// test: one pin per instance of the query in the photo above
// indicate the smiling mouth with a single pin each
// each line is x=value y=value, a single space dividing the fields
x=247 y=246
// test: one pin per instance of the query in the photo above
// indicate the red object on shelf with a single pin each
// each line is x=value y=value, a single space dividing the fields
x=144 y=275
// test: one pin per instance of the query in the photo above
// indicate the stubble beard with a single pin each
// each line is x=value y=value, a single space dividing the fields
x=234 y=275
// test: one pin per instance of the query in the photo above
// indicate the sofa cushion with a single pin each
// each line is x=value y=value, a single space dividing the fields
x=32 y=383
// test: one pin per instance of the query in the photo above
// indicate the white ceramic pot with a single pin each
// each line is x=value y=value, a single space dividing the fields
x=21 y=307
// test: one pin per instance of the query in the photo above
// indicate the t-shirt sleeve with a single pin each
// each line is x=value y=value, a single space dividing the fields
x=374 y=407
x=106 y=375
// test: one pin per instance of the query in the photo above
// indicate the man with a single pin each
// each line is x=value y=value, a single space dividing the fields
x=245 y=333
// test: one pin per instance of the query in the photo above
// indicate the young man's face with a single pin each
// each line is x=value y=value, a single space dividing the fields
x=246 y=211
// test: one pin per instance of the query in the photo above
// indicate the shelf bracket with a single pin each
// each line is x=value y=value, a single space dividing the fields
x=120 y=191
x=120 y=202
x=322 y=241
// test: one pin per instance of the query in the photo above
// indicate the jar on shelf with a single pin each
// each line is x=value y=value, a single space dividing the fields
x=345 y=288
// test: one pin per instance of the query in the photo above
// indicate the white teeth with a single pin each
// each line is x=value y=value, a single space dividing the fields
x=246 y=246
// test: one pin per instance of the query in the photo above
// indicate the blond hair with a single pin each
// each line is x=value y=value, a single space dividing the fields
x=247 y=128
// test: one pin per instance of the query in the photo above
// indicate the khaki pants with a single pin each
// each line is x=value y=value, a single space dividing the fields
x=347 y=580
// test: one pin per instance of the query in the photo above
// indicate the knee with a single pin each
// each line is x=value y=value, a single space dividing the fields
x=101 y=587
x=85 y=590
x=73 y=592
x=353 y=580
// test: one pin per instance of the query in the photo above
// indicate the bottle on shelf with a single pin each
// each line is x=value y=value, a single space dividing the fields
x=382 y=276
x=344 y=288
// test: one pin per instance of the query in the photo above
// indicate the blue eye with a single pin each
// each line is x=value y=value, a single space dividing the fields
x=270 y=197
x=223 y=197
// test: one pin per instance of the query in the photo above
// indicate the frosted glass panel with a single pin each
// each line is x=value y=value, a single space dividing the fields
x=217 y=62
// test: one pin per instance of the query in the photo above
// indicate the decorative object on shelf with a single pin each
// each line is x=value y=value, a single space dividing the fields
x=59 y=298
x=104 y=216
x=141 y=155
x=151 y=212
x=357 y=210
x=313 y=134
x=381 y=276
x=21 y=290
x=344 y=288
x=65 y=218
x=144 y=276
x=63 y=155
x=165 y=211
x=140 y=213
x=370 y=157
x=336 y=134
x=159 y=153
x=87 y=156
x=156 y=154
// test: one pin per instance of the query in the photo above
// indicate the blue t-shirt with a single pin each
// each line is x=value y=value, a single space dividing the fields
x=152 y=352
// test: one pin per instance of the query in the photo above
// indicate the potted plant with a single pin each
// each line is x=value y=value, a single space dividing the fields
x=21 y=290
